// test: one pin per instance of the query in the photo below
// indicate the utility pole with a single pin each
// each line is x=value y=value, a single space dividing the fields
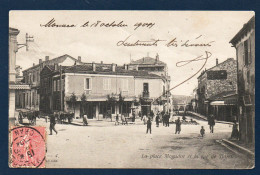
x=61 y=90
x=27 y=40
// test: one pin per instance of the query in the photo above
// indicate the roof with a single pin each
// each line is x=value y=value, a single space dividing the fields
x=147 y=61
x=202 y=73
x=221 y=95
x=107 y=70
x=245 y=29
x=57 y=60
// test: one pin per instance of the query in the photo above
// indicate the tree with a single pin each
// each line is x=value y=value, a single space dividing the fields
x=110 y=101
x=121 y=101
x=83 y=99
x=73 y=100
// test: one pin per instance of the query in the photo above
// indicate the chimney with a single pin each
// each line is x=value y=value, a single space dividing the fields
x=79 y=58
x=101 y=62
x=216 y=61
x=56 y=66
x=93 y=66
x=47 y=58
x=40 y=61
x=113 y=67
x=157 y=57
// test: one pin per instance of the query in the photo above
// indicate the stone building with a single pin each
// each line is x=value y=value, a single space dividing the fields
x=213 y=85
x=244 y=42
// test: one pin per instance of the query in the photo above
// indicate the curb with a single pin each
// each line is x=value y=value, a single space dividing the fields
x=239 y=148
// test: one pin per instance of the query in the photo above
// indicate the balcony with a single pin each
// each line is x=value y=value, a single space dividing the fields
x=146 y=94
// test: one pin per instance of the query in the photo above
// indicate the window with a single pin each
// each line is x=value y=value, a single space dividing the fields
x=54 y=85
x=124 y=84
x=246 y=52
x=106 y=83
x=58 y=85
x=87 y=85
x=146 y=87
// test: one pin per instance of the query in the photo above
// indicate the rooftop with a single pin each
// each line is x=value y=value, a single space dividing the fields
x=203 y=72
x=107 y=70
x=245 y=29
x=148 y=61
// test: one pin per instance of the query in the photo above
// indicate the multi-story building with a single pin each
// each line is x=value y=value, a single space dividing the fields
x=103 y=85
x=154 y=66
x=244 y=42
x=213 y=85
x=30 y=98
x=14 y=85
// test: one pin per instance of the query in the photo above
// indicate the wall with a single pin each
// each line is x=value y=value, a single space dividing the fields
x=155 y=87
x=215 y=87
x=75 y=83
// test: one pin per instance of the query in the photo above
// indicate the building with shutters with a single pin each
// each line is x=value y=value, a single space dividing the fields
x=109 y=90
x=214 y=85
x=30 y=99
x=244 y=43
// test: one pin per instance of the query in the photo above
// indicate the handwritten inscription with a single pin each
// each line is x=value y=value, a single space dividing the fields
x=127 y=42
x=101 y=24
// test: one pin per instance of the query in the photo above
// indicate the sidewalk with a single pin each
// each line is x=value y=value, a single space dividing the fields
x=205 y=118
x=240 y=147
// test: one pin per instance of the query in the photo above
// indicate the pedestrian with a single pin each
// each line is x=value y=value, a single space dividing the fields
x=117 y=120
x=140 y=115
x=144 y=119
x=211 y=122
x=178 y=126
x=152 y=114
x=133 y=118
x=163 y=118
x=149 y=126
x=52 y=124
x=235 y=133
x=85 y=120
x=167 y=118
x=157 y=119
x=202 y=131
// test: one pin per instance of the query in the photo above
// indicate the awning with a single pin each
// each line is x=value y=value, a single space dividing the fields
x=19 y=86
x=217 y=103
x=230 y=99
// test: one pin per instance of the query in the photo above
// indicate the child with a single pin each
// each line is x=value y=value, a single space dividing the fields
x=202 y=131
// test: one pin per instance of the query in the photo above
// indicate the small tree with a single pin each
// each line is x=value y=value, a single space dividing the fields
x=83 y=99
x=121 y=101
x=110 y=101
x=73 y=100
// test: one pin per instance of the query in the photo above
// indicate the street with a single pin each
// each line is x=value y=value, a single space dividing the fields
x=104 y=145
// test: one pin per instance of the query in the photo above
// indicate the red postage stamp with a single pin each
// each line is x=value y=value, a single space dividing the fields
x=27 y=147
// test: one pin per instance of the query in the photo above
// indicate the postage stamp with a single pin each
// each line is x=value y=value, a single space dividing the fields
x=27 y=147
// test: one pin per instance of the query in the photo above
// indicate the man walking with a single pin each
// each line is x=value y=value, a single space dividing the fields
x=52 y=124
x=149 y=126
x=211 y=122
x=157 y=119
x=178 y=126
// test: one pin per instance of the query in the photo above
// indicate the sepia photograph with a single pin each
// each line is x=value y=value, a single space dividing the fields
x=131 y=89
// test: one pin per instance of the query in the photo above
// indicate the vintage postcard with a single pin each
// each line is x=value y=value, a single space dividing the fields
x=132 y=89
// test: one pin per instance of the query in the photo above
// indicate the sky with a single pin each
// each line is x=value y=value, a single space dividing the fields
x=96 y=44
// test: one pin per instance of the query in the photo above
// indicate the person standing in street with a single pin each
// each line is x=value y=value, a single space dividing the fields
x=211 y=122
x=85 y=120
x=149 y=126
x=157 y=119
x=202 y=131
x=52 y=124
x=167 y=118
x=178 y=126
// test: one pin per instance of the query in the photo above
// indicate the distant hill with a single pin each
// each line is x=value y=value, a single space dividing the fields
x=181 y=99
